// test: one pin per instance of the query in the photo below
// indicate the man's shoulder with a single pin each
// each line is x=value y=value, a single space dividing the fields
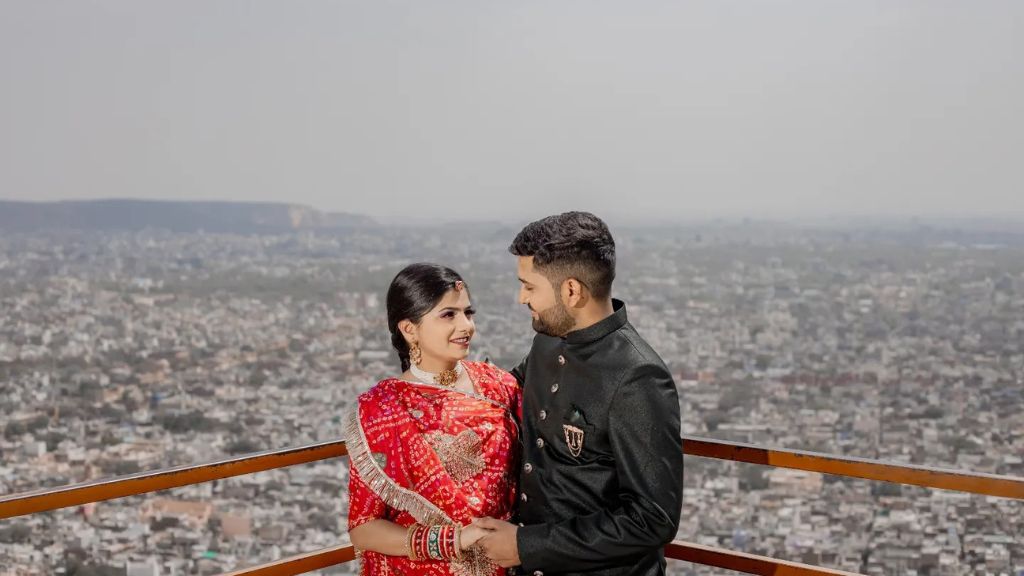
x=643 y=357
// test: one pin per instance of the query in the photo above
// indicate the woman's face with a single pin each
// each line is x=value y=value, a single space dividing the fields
x=445 y=332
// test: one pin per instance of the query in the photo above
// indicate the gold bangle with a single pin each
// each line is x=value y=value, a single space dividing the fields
x=408 y=542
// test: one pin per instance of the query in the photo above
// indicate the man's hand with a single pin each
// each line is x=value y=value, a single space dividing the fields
x=499 y=543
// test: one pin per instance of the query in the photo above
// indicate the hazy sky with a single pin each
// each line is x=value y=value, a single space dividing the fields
x=518 y=109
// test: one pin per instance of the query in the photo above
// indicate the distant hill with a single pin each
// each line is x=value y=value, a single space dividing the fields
x=222 y=217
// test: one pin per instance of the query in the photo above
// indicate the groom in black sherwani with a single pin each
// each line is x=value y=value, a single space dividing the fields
x=602 y=466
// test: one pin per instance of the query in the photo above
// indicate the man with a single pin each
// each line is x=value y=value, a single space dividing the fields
x=602 y=469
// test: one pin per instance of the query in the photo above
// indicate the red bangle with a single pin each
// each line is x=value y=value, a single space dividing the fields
x=426 y=542
x=420 y=542
x=448 y=543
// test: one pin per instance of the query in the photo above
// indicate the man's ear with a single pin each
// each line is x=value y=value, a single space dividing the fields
x=574 y=293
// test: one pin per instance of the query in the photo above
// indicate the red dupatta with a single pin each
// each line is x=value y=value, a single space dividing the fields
x=427 y=454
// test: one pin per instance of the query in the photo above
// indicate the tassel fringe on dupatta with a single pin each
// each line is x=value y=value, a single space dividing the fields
x=384 y=486
x=474 y=561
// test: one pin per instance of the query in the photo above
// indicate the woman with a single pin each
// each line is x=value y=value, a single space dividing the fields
x=435 y=447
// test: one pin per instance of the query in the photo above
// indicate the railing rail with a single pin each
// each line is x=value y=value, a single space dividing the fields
x=743 y=562
x=301 y=563
x=851 y=466
x=145 y=482
x=678 y=550
x=152 y=481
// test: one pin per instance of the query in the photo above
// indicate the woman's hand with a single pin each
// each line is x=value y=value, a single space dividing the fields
x=471 y=534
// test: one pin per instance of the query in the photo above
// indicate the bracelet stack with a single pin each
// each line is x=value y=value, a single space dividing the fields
x=437 y=542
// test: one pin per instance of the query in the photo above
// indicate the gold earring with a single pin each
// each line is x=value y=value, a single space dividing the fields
x=415 y=354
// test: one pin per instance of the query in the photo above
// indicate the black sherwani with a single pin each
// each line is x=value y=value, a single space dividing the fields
x=601 y=482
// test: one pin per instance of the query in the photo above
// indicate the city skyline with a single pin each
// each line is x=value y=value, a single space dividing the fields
x=124 y=351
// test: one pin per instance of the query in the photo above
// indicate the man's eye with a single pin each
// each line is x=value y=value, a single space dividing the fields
x=470 y=313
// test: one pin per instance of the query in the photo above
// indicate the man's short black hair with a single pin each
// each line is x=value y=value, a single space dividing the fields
x=570 y=245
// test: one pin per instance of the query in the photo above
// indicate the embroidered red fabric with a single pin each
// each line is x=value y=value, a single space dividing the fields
x=397 y=475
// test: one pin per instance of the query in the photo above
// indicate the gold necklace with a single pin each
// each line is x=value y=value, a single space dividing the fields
x=446 y=378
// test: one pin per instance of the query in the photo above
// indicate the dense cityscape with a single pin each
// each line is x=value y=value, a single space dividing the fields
x=129 y=351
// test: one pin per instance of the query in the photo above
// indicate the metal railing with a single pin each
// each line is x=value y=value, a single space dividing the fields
x=145 y=482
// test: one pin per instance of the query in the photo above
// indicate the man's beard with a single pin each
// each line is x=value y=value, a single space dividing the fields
x=555 y=321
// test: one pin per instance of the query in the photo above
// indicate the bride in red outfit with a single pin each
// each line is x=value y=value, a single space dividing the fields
x=435 y=447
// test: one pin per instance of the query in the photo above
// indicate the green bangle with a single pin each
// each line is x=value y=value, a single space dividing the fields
x=434 y=542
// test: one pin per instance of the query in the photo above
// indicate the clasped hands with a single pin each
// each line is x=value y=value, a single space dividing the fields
x=497 y=539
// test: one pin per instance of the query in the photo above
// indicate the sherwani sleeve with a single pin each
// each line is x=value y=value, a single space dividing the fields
x=519 y=371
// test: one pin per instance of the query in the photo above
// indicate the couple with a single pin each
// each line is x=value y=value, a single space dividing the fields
x=579 y=445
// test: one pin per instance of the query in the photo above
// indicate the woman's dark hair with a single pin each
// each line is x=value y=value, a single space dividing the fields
x=415 y=291
x=570 y=245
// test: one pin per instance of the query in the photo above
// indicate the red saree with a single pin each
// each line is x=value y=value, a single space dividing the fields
x=423 y=453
